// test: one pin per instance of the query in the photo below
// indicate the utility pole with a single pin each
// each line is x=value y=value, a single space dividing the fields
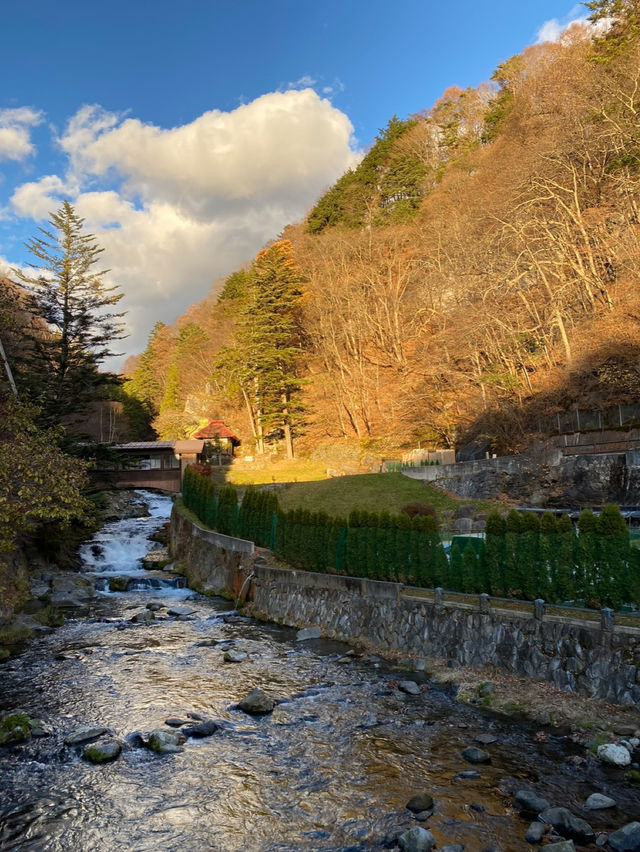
x=8 y=370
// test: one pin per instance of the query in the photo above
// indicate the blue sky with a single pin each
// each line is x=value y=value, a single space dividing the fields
x=187 y=134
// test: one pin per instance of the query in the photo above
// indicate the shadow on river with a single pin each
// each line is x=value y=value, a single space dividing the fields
x=332 y=767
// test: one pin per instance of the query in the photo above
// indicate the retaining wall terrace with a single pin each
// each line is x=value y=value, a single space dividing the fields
x=574 y=655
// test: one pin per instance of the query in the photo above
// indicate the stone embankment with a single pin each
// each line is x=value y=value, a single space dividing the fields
x=598 y=661
x=549 y=479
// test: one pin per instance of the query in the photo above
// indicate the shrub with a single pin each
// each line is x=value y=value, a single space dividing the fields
x=417 y=508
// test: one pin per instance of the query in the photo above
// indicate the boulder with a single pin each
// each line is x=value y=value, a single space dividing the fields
x=420 y=802
x=15 y=728
x=102 y=752
x=234 y=656
x=568 y=825
x=463 y=525
x=527 y=800
x=83 y=735
x=626 y=839
x=476 y=755
x=308 y=633
x=180 y=612
x=614 y=755
x=165 y=742
x=409 y=686
x=144 y=617
x=597 y=802
x=535 y=832
x=486 y=739
x=119 y=584
x=416 y=840
x=257 y=702
x=203 y=729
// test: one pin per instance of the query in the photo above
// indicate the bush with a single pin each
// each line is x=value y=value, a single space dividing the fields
x=417 y=508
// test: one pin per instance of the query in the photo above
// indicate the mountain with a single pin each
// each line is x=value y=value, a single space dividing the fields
x=476 y=273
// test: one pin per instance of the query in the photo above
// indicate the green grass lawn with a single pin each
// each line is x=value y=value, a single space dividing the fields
x=374 y=492
x=281 y=470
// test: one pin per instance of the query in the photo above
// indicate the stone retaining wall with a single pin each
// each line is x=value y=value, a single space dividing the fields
x=576 y=656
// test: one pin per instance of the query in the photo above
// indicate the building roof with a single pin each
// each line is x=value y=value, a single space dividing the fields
x=216 y=429
x=190 y=446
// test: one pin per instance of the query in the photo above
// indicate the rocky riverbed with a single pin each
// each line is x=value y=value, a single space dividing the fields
x=159 y=719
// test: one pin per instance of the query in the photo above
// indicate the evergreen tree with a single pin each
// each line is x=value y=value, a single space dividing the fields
x=613 y=557
x=587 y=563
x=74 y=303
x=455 y=568
x=266 y=357
x=494 y=554
x=564 y=587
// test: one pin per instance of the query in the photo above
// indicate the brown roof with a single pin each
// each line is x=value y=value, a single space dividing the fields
x=189 y=446
x=216 y=429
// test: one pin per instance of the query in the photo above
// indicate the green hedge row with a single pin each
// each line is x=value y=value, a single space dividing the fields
x=522 y=555
x=528 y=556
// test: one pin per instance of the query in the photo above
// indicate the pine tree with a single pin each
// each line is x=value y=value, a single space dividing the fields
x=75 y=303
x=266 y=357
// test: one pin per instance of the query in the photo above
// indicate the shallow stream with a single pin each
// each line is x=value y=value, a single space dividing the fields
x=332 y=767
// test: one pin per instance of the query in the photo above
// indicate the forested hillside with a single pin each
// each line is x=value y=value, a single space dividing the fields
x=478 y=267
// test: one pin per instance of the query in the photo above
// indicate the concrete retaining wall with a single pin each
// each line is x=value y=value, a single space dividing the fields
x=576 y=656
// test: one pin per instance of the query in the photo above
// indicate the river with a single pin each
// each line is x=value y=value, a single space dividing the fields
x=332 y=767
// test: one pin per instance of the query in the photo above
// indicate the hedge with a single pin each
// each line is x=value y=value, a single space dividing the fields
x=521 y=556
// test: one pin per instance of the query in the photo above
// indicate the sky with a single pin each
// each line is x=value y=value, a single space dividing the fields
x=187 y=135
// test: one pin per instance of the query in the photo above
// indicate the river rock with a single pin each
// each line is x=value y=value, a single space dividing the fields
x=83 y=735
x=144 y=617
x=157 y=558
x=165 y=742
x=102 y=752
x=467 y=775
x=234 y=655
x=535 y=833
x=476 y=755
x=203 y=729
x=626 y=839
x=562 y=846
x=486 y=739
x=420 y=802
x=175 y=722
x=452 y=847
x=409 y=686
x=119 y=584
x=568 y=825
x=527 y=800
x=257 y=702
x=308 y=633
x=597 y=802
x=416 y=840
x=614 y=755
x=180 y=612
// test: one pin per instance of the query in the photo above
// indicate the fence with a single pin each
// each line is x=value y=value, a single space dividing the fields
x=522 y=556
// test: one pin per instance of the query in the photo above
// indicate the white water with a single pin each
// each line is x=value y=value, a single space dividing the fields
x=119 y=547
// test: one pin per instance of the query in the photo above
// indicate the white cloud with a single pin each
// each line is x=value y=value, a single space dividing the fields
x=15 y=132
x=553 y=29
x=177 y=208
x=304 y=82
